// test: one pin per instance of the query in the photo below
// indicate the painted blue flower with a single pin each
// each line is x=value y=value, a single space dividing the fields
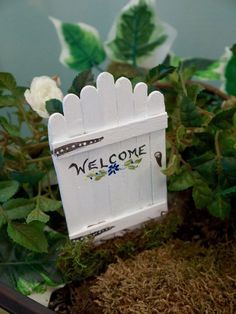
x=113 y=168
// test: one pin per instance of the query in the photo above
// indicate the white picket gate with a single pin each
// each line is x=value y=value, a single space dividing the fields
x=108 y=149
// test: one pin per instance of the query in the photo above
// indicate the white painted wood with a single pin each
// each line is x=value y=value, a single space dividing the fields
x=117 y=133
x=104 y=154
x=73 y=115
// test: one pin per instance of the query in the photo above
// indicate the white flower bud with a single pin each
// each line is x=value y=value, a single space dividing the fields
x=42 y=89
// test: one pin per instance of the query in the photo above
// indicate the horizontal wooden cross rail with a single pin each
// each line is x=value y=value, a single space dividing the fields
x=16 y=303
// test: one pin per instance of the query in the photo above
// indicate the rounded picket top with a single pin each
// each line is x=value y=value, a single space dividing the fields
x=107 y=94
x=91 y=108
x=124 y=99
x=56 y=128
x=105 y=80
x=156 y=103
x=73 y=114
x=140 y=100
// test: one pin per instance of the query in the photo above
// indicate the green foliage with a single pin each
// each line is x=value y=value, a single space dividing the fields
x=137 y=34
x=82 y=79
x=201 y=145
x=28 y=271
x=81 y=46
x=30 y=235
x=54 y=105
x=26 y=198
x=230 y=73
x=85 y=47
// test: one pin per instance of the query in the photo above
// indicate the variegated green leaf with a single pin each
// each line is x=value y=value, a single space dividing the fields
x=81 y=45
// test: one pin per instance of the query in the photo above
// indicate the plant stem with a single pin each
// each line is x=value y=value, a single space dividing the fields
x=39 y=159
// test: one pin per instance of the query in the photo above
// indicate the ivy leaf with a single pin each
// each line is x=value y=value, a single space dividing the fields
x=223 y=119
x=158 y=73
x=2 y=160
x=219 y=208
x=227 y=142
x=181 y=181
x=18 y=208
x=54 y=105
x=200 y=64
x=27 y=271
x=7 y=81
x=3 y=218
x=208 y=170
x=48 y=205
x=137 y=33
x=202 y=194
x=229 y=191
x=189 y=113
x=7 y=101
x=31 y=235
x=37 y=215
x=172 y=167
x=193 y=91
x=230 y=73
x=82 y=79
x=32 y=176
x=8 y=189
x=81 y=45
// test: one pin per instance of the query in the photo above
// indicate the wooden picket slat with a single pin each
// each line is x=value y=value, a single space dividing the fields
x=104 y=151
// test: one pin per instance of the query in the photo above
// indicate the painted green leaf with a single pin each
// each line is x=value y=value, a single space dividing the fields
x=137 y=34
x=189 y=113
x=230 y=73
x=54 y=105
x=18 y=208
x=31 y=235
x=7 y=81
x=128 y=162
x=138 y=161
x=219 y=207
x=132 y=167
x=37 y=215
x=46 y=204
x=81 y=45
x=8 y=189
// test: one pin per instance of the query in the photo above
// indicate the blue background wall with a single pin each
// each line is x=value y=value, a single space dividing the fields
x=29 y=44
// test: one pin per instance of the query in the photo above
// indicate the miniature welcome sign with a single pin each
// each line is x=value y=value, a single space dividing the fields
x=108 y=149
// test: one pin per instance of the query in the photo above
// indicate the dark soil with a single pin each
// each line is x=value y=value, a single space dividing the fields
x=191 y=271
